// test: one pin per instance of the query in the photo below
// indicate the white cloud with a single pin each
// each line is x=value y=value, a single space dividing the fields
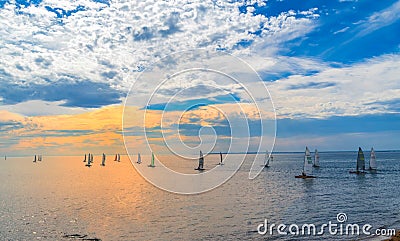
x=127 y=35
x=362 y=88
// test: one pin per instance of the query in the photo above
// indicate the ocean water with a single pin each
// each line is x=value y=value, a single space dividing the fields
x=61 y=199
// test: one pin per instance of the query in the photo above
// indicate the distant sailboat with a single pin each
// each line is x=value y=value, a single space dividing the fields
x=360 y=163
x=84 y=160
x=152 y=160
x=316 y=159
x=201 y=163
x=220 y=159
x=307 y=166
x=266 y=159
x=139 y=159
x=103 y=160
x=90 y=160
x=372 y=161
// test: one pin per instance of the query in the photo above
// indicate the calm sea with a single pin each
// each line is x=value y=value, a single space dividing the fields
x=61 y=199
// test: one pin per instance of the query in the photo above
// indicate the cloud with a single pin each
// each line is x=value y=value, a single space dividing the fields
x=101 y=41
x=364 y=88
x=73 y=93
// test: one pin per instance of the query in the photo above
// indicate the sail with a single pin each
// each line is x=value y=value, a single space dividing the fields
x=316 y=158
x=266 y=159
x=139 y=159
x=103 y=161
x=152 y=160
x=201 y=161
x=372 y=160
x=360 y=160
x=307 y=169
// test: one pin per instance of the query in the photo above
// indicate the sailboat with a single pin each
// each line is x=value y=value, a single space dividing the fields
x=360 y=163
x=266 y=159
x=201 y=163
x=90 y=160
x=103 y=161
x=307 y=166
x=84 y=160
x=139 y=159
x=152 y=160
x=372 y=161
x=316 y=159
x=220 y=159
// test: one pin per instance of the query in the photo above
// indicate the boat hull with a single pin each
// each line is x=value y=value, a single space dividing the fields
x=358 y=172
x=305 y=176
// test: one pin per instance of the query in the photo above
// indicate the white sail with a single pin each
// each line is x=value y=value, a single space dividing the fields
x=139 y=159
x=266 y=159
x=372 y=160
x=308 y=164
x=316 y=159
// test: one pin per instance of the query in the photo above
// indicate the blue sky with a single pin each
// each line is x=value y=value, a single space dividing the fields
x=331 y=66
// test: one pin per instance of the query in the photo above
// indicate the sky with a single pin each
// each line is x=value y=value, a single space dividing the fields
x=66 y=68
